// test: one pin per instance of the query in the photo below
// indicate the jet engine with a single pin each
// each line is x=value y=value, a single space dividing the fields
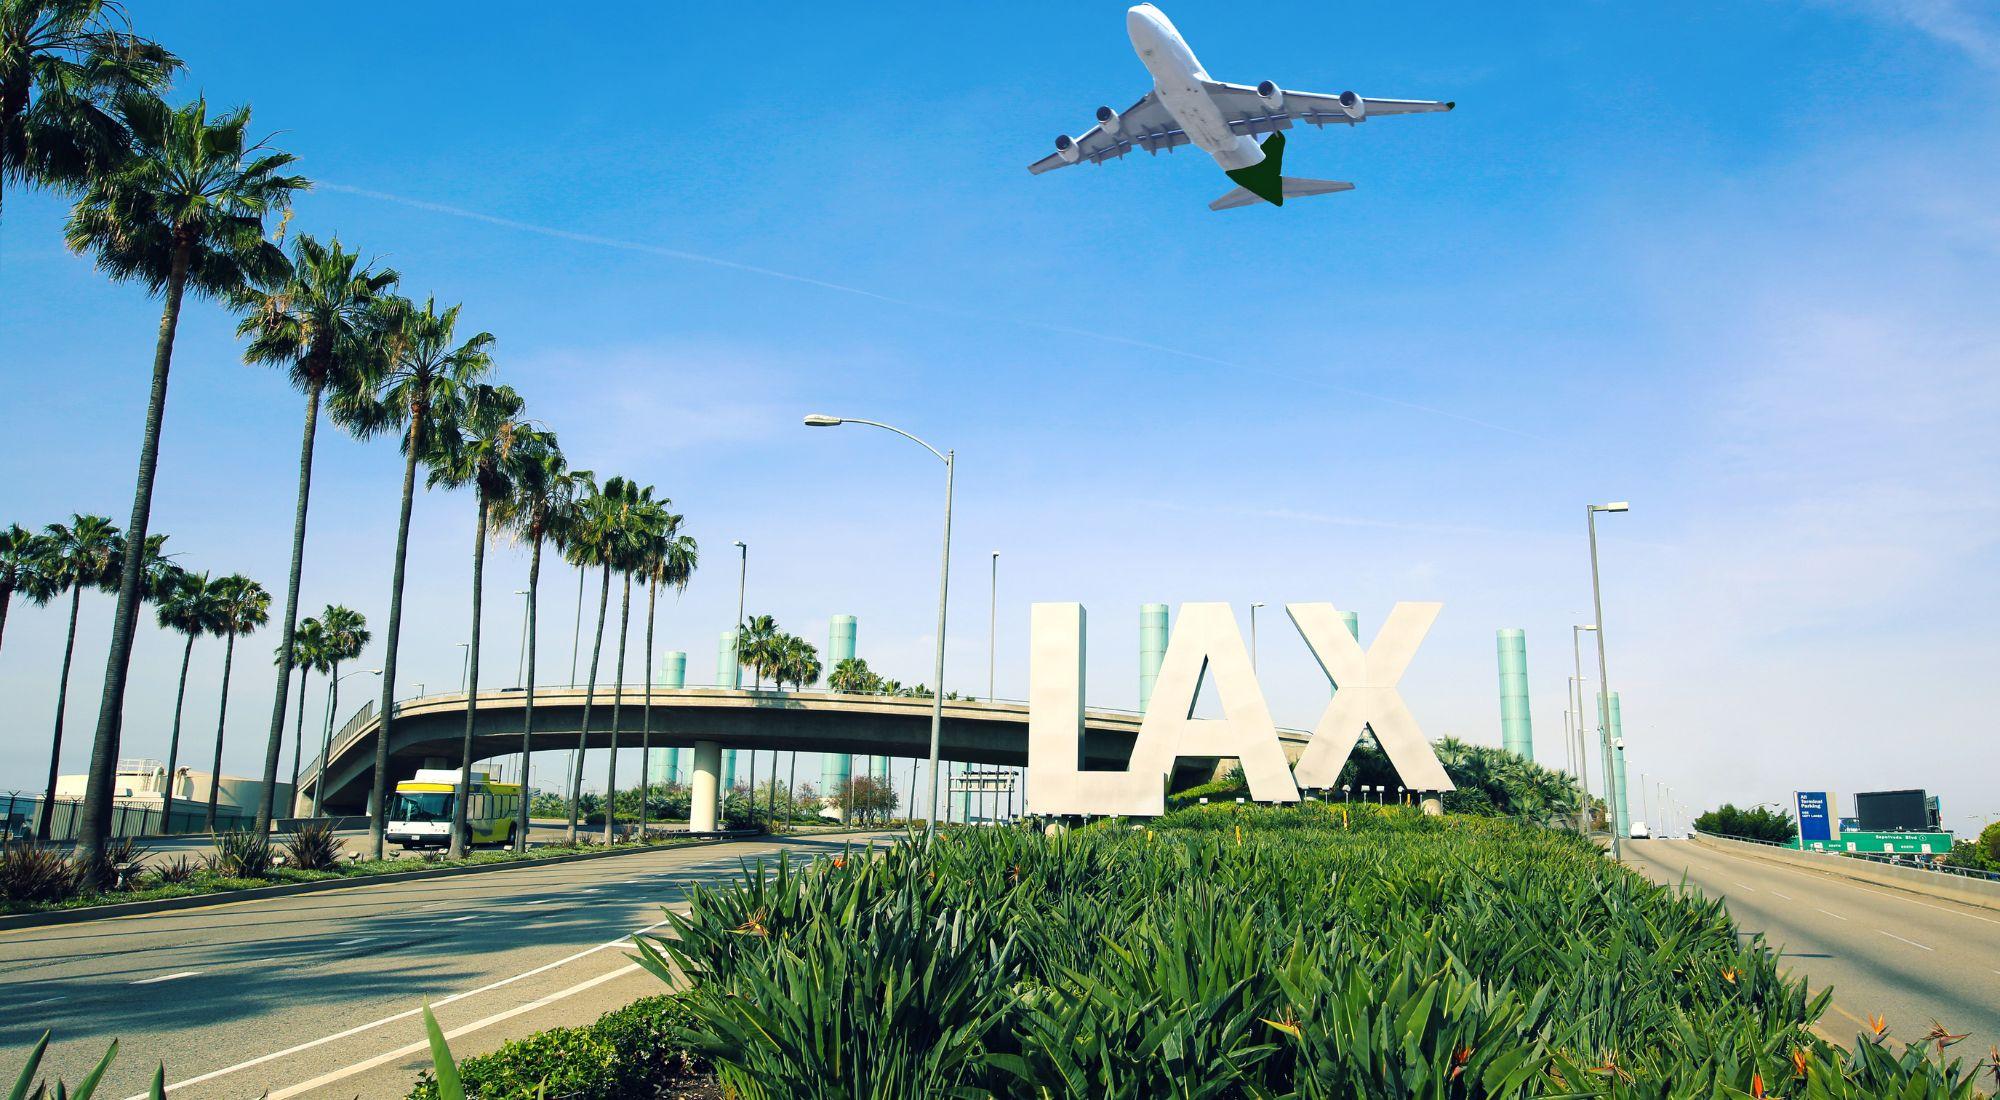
x=1355 y=106
x=1108 y=118
x=1067 y=150
x=1272 y=95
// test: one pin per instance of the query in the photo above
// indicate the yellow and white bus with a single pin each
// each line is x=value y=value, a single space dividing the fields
x=420 y=814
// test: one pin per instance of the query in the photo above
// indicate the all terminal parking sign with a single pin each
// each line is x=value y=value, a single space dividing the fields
x=1816 y=818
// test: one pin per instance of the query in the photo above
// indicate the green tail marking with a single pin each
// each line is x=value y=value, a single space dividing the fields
x=1265 y=179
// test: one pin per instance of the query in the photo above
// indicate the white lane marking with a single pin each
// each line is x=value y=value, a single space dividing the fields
x=1894 y=936
x=1746 y=886
x=455 y=920
x=1866 y=888
x=43 y=1001
x=1775 y=894
x=405 y=1051
x=1830 y=913
x=622 y=941
x=352 y=942
x=165 y=978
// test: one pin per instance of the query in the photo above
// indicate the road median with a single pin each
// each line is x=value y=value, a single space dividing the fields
x=15 y=921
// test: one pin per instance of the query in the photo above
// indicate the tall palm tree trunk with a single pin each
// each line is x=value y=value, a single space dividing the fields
x=6 y=597
x=47 y=820
x=299 y=739
x=589 y=696
x=460 y=831
x=528 y=704
x=378 y=796
x=274 y=745
x=221 y=722
x=174 y=742
x=325 y=734
x=98 y=786
x=646 y=724
x=617 y=705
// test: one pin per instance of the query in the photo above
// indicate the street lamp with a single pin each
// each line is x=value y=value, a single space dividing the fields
x=521 y=667
x=326 y=737
x=464 y=665
x=1603 y=677
x=1253 y=636
x=1582 y=746
x=949 y=458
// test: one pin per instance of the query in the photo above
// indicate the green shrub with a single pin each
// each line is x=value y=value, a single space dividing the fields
x=1225 y=950
x=1756 y=823
x=178 y=871
x=241 y=854
x=31 y=873
x=314 y=847
x=625 y=1055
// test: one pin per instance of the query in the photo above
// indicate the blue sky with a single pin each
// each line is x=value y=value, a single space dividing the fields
x=1730 y=261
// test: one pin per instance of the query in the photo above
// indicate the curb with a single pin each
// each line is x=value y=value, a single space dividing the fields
x=13 y=921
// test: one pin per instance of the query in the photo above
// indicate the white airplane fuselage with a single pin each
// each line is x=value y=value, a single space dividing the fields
x=1178 y=79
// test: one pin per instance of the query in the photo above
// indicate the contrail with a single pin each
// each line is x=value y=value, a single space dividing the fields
x=861 y=292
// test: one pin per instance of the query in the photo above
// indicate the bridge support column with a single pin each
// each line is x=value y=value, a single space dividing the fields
x=702 y=792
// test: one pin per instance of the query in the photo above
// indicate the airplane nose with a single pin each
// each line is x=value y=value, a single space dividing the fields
x=1142 y=22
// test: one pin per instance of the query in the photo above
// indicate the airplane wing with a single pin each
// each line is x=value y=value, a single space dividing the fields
x=1251 y=113
x=1144 y=125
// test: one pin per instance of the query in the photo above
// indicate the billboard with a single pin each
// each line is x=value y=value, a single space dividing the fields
x=1892 y=811
x=1816 y=819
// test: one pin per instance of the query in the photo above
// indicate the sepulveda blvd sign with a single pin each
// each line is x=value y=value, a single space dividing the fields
x=1206 y=642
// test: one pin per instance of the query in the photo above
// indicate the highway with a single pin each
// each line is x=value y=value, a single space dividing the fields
x=1887 y=952
x=318 y=995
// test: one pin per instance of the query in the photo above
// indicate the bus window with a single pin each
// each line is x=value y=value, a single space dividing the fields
x=425 y=806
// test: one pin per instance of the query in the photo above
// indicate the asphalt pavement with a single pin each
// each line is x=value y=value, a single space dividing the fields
x=1912 y=959
x=320 y=994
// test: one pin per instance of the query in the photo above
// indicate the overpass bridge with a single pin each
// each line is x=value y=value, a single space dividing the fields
x=428 y=731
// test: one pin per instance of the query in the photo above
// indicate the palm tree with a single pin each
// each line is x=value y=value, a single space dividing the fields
x=185 y=212
x=423 y=379
x=639 y=518
x=316 y=324
x=852 y=676
x=75 y=556
x=589 y=538
x=61 y=64
x=756 y=642
x=543 y=495
x=242 y=606
x=487 y=452
x=670 y=559
x=309 y=655
x=192 y=607
x=346 y=636
x=21 y=551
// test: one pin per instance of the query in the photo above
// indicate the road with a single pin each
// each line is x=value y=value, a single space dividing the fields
x=1909 y=958
x=318 y=995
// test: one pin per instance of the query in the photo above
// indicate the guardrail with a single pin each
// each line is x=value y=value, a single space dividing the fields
x=1907 y=860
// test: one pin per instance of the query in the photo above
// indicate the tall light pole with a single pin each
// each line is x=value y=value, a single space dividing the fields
x=1253 y=636
x=1603 y=676
x=949 y=458
x=1582 y=746
x=521 y=666
x=992 y=623
x=326 y=736
x=742 y=578
x=464 y=664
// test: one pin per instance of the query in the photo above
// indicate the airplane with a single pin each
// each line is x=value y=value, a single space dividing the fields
x=1185 y=106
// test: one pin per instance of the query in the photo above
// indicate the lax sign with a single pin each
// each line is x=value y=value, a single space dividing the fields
x=1204 y=642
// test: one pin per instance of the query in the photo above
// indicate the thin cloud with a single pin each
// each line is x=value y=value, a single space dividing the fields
x=686 y=256
x=1952 y=22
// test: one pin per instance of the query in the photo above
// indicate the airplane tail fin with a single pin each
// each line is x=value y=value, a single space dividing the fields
x=1291 y=187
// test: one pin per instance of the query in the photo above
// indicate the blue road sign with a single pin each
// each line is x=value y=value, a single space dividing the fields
x=1815 y=817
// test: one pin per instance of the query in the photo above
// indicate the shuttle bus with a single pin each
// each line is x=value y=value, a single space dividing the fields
x=421 y=811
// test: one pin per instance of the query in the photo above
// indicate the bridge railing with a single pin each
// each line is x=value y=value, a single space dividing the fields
x=1912 y=860
x=352 y=727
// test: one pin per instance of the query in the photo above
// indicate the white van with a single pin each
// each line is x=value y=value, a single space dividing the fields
x=1640 y=832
